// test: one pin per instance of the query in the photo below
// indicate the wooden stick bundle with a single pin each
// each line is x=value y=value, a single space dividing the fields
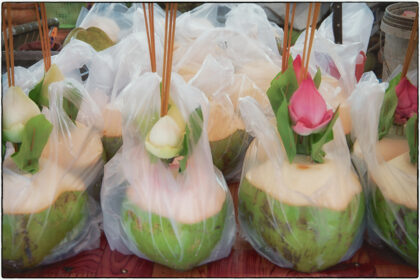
x=308 y=47
x=150 y=30
x=170 y=20
x=8 y=44
x=41 y=16
x=287 y=36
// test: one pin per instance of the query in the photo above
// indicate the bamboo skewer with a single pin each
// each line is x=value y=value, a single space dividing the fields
x=411 y=47
x=170 y=11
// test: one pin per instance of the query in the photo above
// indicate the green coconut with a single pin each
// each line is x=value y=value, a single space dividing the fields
x=178 y=229
x=112 y=133
x=292 y=231
x=85 y=149
x=18 y=109
x=38 y=214
x=388 y=147
x=228 y=139
x=228 y=152
x=94 y=36
x=393 y=208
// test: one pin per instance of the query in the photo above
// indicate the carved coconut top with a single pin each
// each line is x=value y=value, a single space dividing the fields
x=304 y=183
x=28 y=194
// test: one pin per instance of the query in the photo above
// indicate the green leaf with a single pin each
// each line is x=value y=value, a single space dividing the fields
x=411 y=134
x=36 y=133
x=185 y=150
x=71 y=104
x=193 y=131
x=36 y=96
x=386 y=117
x=319 y=139
x=317 y=78
x=285 y=130
x=196 y=123
x=285 y=84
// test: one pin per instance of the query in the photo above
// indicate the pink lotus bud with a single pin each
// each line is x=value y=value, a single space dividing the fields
x=407 y=101
x=308 y=109
x=297 y=66
x=360 y=65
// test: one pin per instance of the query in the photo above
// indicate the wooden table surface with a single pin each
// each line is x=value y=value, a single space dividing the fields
x=243 y=261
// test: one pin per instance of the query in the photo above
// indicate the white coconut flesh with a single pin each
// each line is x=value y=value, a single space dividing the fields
x=107 y=25
x=222 y=122
x=82 y=149
x=112 y=122
x=29 y=194
x=336 y=96
x=199 y=198
x=18 y=108
x=261 y=72
x=388 y=147
x=304 y=183
x=398 y=180
x=224 y=119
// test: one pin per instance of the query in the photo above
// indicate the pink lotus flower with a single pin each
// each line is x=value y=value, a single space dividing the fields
x=308 y=109
x=360 y=65
x=407 y=101
x=297 y=66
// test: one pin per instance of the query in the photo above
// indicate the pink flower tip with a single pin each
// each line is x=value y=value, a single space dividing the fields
x=297 y=66
x=360 y=65
x=308 y=109
x=407 y=101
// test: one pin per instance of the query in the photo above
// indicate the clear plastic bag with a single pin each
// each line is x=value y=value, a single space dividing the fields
x=180 y=220
x=302 y=215
x=229 y=60
x=115 y=19
x=390 y=179
x=104 y=25
x=49 y=215
x=337 y=62
x=113 y=69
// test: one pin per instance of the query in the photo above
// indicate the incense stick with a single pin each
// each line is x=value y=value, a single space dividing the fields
x=6 y=45
x=46 y=35
x=313 y=28
x=149 y=23
x=285 y=37
x=12 y=59
x=165 y=62
x=411 y=46
x=168 y=54
x=152 y=30
x=306 y=40
x=289 y=42
x=41 y=35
